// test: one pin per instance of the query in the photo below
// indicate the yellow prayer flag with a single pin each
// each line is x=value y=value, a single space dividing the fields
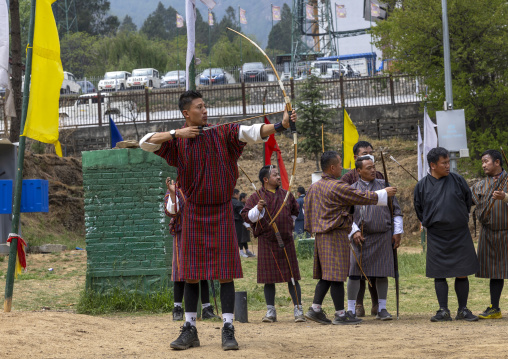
x=350 y=139
x=46 y=80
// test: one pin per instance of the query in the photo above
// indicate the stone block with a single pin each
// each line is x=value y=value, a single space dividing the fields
x=52 y=248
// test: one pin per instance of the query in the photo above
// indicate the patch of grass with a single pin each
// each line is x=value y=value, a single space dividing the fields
x=118 y=300
x=37 y=232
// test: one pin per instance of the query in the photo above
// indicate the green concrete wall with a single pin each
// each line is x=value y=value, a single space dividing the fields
x=127 y=239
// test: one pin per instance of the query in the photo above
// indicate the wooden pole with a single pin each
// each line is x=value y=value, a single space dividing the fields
x=323 y=137
x=16 y=204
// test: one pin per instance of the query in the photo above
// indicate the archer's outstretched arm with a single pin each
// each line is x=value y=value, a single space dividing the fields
x=268 y=130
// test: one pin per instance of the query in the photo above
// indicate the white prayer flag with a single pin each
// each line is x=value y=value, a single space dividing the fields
x=190 y=17
x=209 y=3
x=243 y=18
x=420 y=153
x=429 y=139
x=179 y=20
x=4 y=44
x=275 y=13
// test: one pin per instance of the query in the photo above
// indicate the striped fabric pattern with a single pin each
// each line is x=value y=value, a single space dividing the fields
x=375 y=254
x=327 y=213
x=207 y=174
x=493 y=242
x=272 y=263
x=175 y=228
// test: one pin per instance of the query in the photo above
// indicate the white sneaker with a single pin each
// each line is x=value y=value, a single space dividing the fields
x=299 y=317
x=270 y=317
x=250 y=254
x=242 y=254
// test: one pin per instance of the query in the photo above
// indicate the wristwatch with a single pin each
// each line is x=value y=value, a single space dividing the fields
x=173 y=134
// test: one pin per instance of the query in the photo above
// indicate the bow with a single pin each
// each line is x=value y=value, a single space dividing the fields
x=292 y=125
x=395 y=259
x=277 y=236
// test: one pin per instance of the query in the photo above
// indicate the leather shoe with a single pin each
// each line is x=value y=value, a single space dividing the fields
x=374 y=309
x=360 y=310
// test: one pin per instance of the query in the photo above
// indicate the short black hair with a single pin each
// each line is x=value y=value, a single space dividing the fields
x=186 y=99
x=495 y=155
x=327 y=159
x=359 y=161
x=361 y=144
x=436 y=153
x=236 y=191
x=301 y=190
x=265 y=172
x=243 y=195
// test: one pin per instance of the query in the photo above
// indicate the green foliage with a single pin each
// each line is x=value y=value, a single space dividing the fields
x=280 y=35
x=226 y=53
x=38 y=147
x=312 y=114
x=118 y=300
x=127 y=25
x=79 y=54
x=479 y=48
x=161 y=23
x=91 y=16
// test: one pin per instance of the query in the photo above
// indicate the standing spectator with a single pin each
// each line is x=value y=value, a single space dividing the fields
x=299 y=222
x=442 y=202
x=246 y=230
x=239 y=225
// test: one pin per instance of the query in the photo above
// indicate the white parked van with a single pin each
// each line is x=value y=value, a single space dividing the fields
x=142 y=78
x=69 y=84
x=114 y=81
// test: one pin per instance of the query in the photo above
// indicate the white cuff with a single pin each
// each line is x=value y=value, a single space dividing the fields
x=294 y=218
x=254 y=214
x=251 y=134
x=505 y=199
x=246 y=225
x=171 y=206
x=147 y=146
x=354 y=229
x=382 y=197
x=398 y=225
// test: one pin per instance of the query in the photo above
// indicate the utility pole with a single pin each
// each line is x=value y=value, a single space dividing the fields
x=448 y=105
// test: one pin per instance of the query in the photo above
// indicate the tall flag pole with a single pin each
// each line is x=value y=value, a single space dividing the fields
x=9 y=279
x=210 y=24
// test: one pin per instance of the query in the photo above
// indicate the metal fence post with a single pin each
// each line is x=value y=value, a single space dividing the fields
x=244 y=100
x=99 y=107
x=147 y=103
x=342 y=101
x=392 y=92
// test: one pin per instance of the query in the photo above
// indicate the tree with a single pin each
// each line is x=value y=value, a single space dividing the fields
x=280 y=35
x=157 y=24
x=16 y=42
x=92 y=17
x=312 y=115
x=128 y=24
x=78 y=52
x=412 y=35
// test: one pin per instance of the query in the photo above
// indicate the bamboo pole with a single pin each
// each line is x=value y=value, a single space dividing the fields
x=13 y=251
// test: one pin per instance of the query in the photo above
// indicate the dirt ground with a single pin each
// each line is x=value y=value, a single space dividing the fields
x=66 y=335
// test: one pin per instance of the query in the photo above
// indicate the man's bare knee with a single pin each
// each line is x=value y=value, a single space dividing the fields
x=225 y=280
x=192 y=281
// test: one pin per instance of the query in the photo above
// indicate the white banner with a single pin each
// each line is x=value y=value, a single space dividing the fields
x=190 y=17
x=4 y=44
x=429 y=139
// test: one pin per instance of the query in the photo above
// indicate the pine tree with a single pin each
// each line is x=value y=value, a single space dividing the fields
x=128 y=24
x=312 y=114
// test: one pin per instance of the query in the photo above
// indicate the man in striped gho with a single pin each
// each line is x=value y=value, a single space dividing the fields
x=489 y=196
x=207 y=164
x=374 y=236
x=328 y=215
x=273 y=266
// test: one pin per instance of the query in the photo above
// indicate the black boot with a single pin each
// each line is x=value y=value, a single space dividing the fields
x=207 y=313
x=228 y=337
x=188 y=338
x=177 y=314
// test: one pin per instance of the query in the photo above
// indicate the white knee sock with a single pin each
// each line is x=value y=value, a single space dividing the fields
x=382 y=304
x=204 y=305
x=178 y=304
x=351 y=306
x=227 y=318
x=316 y=307
x=191 y=317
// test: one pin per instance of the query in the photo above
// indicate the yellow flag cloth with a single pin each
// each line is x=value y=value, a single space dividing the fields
x=46 y=80
x=350 y=139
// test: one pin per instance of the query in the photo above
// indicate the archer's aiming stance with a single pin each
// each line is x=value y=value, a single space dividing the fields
x=207 y=173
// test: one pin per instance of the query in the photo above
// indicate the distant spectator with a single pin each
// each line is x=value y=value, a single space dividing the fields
x=299 y=222
x=239 y=227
